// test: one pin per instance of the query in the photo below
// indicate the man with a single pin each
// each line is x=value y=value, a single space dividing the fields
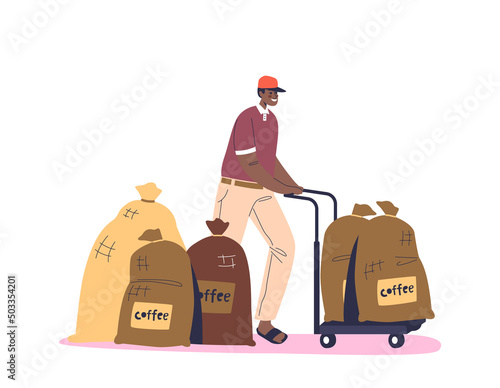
x=251 y=174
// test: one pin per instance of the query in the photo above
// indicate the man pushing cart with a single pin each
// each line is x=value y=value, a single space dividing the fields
x=251 y=175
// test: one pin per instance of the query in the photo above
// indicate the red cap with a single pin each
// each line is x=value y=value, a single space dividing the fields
x=270 y=83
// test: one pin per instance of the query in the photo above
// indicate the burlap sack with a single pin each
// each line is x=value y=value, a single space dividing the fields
x=337 y=246
x=391 y=284
x=107 y=271
x=157 y=308
x=221 y=268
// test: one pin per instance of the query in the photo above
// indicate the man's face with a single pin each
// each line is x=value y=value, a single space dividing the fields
x=270 y=97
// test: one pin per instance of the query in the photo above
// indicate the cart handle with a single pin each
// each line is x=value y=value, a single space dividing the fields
x=328 y=195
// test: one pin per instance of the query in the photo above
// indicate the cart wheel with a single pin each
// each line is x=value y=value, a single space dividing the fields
x=327 y=340
x=396 y=340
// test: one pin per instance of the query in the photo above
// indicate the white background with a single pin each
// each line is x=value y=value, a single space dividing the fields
x=345 y=122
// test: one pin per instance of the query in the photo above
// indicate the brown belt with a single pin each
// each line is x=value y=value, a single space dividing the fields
x=249 y=185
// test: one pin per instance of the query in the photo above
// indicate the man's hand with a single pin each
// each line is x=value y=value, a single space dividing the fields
x=298 y=190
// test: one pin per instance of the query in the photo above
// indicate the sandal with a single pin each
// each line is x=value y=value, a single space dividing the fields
x=272 y=334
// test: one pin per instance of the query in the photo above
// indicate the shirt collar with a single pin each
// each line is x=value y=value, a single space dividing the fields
x=262 y=110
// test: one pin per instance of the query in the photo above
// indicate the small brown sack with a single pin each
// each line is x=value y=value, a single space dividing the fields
x=337 y=246
x=157 y=308
x=391 y=284
x=221 y=268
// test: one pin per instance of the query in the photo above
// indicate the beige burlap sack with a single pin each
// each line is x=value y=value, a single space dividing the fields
x=107 y=272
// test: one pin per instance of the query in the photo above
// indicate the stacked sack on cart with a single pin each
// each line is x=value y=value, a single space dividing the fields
x=371 y=270
x=142 y=287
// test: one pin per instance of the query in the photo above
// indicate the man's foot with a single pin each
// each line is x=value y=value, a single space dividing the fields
x=265 y=328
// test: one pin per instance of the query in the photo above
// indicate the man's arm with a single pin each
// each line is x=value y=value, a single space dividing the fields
x=254 y=170
x=282 y=176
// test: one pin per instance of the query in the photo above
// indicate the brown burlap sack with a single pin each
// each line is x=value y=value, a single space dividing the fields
x=391 y=284
x=157 y=308
x=221 y=268
x=337 y=246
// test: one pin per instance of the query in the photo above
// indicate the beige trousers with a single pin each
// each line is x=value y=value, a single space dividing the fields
x=235 y=204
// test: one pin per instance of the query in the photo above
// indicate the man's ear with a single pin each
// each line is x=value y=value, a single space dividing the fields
x=261 y=94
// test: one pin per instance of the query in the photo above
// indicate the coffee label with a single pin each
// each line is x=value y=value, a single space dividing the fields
x=397 y=291
x=151 y=316
x=216 y=297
